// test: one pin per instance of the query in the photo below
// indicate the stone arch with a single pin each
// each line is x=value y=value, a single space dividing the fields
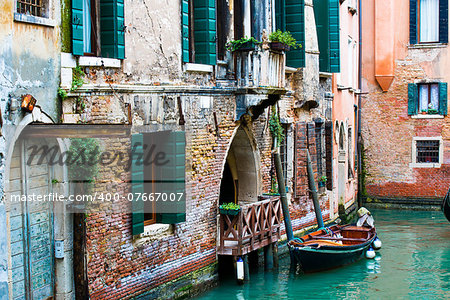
x=241 y=169
x=60 y=222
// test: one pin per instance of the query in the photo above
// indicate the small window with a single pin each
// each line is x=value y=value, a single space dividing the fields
x=90 y=43
x=429 y=97
x=427 y=151
x=37 y=8
x=428 y=21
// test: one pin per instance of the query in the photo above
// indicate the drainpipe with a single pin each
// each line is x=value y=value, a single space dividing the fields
x=360 y=187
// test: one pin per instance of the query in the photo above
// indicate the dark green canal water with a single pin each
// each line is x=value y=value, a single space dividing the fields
x=414 y=263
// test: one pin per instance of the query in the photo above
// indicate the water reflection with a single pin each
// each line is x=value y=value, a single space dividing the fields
x=413 y=262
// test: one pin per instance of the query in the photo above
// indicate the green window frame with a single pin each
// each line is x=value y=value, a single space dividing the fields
x=166 y=179
x=413 y=98
x=199 y=31
x=111 y=32
x=326 y=14
x=290 y=16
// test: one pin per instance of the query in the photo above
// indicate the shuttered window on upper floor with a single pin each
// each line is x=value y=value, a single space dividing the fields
x=98 y=28
x=428 y=21
x=427 y=98
x=290 y=16
x=327 y=23
x=199 y=31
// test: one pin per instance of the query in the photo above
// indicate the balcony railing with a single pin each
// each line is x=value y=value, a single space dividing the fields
x=257 y=225
x=258 y=69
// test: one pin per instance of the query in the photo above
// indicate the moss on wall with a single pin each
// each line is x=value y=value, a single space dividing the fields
x=65 y=26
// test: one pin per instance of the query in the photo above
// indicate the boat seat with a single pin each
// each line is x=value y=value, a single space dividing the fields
x=315 y=237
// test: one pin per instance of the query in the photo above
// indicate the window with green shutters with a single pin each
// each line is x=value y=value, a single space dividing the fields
x=427 y=98
x=327 y=23
x=290 y=16
x=164 y=182
x=199 y=31
x=428 y=21
x=109 y=39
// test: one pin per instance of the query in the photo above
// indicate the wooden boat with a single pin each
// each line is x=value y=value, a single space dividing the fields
x=445 y=206
x=331 y=247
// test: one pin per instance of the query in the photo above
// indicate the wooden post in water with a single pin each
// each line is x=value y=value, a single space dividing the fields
x=275 y=255
x=283 y=197
x=313 y=188
x=268 y=257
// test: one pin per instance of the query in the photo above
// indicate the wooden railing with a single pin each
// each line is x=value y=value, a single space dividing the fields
x=257 y=225
x=261 y=68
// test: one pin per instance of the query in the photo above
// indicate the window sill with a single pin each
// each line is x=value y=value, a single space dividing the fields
x=290 y=70
x=199 y=68
x=426 y=116
x=154 y=232
x=425 y=165
x=89 y=61
x=427 y=46
x=34 y=20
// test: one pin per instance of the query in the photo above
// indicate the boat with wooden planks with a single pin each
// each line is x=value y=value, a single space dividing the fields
x=331 y=247
x=445 y=206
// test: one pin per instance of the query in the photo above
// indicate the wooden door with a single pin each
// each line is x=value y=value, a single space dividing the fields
x=31 y=225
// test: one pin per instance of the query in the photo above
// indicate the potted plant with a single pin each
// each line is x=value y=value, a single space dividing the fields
x=424 y=111
x=282 y=41
x=231 y=209
x=322 y=181
x=243 y=44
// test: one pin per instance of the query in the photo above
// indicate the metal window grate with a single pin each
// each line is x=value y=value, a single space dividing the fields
x=427 y=151
x=30 y=7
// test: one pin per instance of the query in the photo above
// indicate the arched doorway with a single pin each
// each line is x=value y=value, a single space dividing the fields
x=240 y=177
x=35 y=218
x=342 y=170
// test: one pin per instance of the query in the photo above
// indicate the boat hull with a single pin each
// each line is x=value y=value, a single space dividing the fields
x=446 y=206
x=313 y=259
x=331 y=248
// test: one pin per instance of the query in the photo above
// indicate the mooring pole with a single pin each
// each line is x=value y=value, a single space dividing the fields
x=283 y=197
x=313 y=189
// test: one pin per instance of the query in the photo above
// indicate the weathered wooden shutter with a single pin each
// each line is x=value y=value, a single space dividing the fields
x=443 y=98
x=322 y=24
x=137 y=183
x=413 y=99
x=413 y=22
x=335 y=61
x=279 y=15
x=295 y=24
x=443 y=21
x=205 y=31
x=171 y=179
x=185 y=29
x=77 y=27
x=329 y=153
x=112 y=33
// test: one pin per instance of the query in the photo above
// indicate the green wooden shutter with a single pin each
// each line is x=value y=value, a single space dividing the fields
x=335 y=61
x=137 y=183
x=295 y=24
x=112 y=35
x=413 y=22
x=321 y=11
x=171 y=179
x=413 y=99
x=185 y=29
x=443 y=98
x=77 y=27
x=279 y=15
x=205 y=31
x=443 y=21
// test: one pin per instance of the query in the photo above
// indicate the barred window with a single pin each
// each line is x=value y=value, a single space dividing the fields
x=32 y=7
x=427 y=151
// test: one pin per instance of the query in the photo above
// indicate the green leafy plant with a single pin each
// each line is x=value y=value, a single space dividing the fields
x=275 y=127
x=285 y=38
x=82 y=162
x=237 y=44
x=323 y=179
x=230 y=206
x=432 y=111
x=55 y=181
x=62 y=93
x=77 y=78
x=81 y=104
